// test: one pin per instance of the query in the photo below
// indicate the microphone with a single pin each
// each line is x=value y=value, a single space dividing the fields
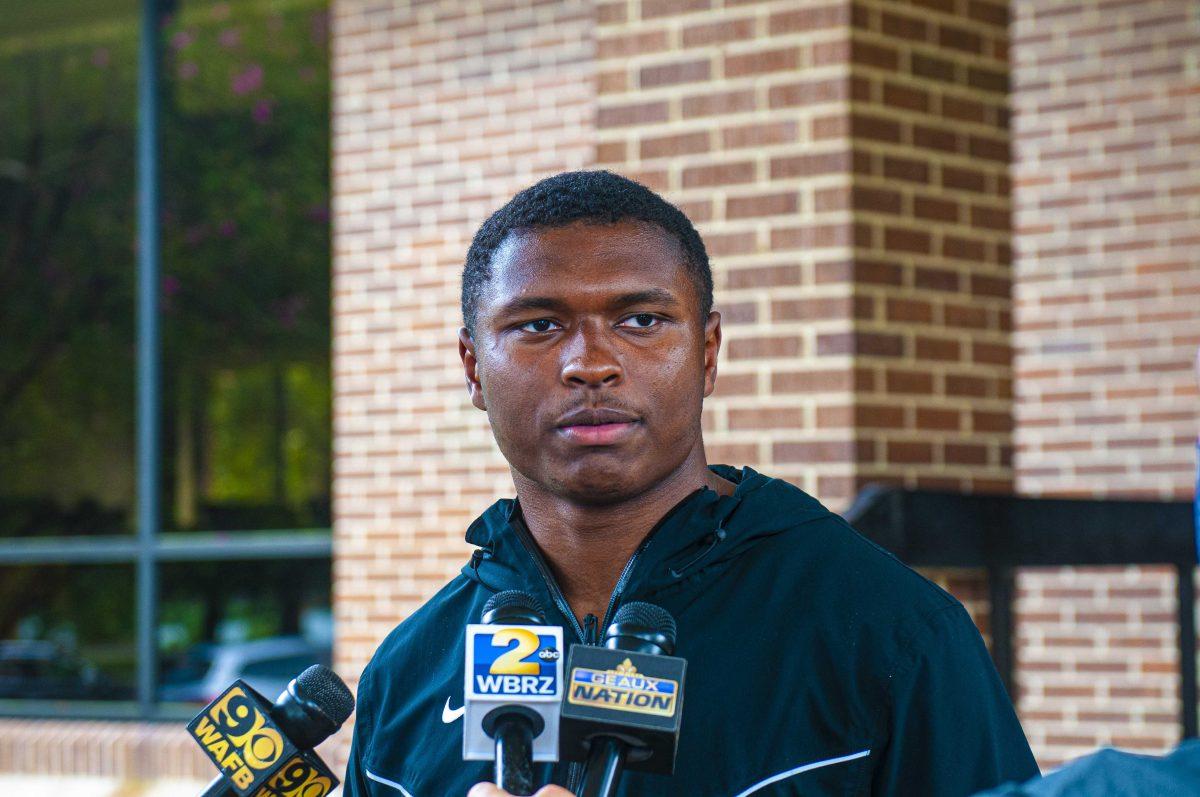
x=624 y=701
x=265 y=749
x=513 y=687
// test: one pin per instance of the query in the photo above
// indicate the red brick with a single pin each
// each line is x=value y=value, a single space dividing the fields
x=652 y=9
x=761 y=205
x=903 y=27
x=909 y=169
x=809 y=19
x=679 y=144
x=718 y=174
x=937 y=349
x=861 y=343
x=769 y=418
x=908 y=453
x=674 y=74
x=717 y=103
x=874 y=127
x=906 y=97
x=758 y=347
x=912 y=382
x=761 y=62
x=935 y=209
x=718 y=32
x=874 y=55
x=763 y=276
x=880 y=200
x=631 y=114
x=625 y=45
x=759 y=135
x=806 y=92
x=810 y=165
x=899 y=239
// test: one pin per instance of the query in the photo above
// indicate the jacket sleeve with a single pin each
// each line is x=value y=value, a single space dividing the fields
x=355 y=782
x=953 y=730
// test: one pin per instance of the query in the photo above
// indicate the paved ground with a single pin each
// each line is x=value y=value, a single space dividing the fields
x=32 y=786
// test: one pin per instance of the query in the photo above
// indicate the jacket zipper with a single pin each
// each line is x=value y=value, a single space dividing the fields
x=592 y=635
x=560 y=600
x=621 y=580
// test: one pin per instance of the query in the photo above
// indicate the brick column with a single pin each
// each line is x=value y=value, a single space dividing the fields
x=1106 y=101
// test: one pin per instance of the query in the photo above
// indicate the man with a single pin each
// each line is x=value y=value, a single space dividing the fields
x=817 y=663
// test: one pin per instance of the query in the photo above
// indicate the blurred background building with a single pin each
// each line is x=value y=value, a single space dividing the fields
x=956 y=244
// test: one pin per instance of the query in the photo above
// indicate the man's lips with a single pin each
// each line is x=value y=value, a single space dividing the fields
x=599 y=435
x=597 y=427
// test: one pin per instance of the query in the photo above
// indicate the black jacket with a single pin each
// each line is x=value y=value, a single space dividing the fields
x=817 y=662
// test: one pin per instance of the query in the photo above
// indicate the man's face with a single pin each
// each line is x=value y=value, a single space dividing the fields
x=591 y=358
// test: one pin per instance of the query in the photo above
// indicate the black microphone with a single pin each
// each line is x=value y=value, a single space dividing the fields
x=266 y=748
x=624 y=702
x=512 y=692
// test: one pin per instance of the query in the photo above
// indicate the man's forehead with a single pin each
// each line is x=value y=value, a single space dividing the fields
x=585 y=251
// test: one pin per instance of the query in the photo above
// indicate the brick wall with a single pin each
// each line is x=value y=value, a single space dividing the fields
x=119 y=750
x=1106 y=168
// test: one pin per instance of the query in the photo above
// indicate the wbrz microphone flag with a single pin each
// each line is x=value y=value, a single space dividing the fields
x=512 y=664
x=257 y=759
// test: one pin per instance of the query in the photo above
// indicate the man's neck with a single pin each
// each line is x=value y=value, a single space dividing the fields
x=587 y=546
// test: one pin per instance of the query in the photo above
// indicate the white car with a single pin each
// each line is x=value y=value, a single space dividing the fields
x=266 y=664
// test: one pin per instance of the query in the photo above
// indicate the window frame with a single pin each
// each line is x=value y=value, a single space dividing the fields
x=207 y=546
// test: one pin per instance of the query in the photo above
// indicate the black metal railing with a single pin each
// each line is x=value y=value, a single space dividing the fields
x=999 y=533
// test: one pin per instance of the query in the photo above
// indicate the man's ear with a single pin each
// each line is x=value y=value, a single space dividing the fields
x=712 y=347
x=466 y=352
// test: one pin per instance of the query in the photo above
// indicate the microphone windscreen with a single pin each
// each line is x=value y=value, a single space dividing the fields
x=322 y=686
x=513 y=603
x=648 y=616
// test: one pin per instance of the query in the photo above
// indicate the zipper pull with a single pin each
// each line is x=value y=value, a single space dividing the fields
x=589 y=630
x=714 y=538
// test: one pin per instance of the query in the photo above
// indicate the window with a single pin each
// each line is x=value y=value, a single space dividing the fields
x=104 y=604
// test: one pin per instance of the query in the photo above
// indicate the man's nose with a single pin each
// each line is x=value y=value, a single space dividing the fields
x=589 y=360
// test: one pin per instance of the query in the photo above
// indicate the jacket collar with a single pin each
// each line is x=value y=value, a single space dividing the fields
x=700 y=529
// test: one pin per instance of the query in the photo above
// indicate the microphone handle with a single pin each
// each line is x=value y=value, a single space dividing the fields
x=606 y=762
x=514 y=754
x=219 y=788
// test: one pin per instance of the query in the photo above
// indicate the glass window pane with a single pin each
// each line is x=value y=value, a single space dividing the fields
x=67 y=633
x=246 y=328
x=263 y=621
x=67 y=101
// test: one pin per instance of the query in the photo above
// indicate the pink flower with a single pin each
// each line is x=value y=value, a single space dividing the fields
x=248 y=80
x=100 y=57
x=170 y=285
x=227 y=228
x=230 y=37
x=182 y=39
x=262 y=111
x=188 y=70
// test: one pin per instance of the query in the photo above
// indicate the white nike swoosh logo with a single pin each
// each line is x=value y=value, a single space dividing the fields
x=449 y=715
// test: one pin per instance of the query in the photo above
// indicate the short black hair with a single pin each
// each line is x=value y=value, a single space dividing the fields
x=597 y=197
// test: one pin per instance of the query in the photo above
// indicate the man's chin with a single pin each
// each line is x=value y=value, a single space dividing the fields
x=597 y=483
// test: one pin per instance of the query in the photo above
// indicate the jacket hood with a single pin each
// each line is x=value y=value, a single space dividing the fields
x=702 y=529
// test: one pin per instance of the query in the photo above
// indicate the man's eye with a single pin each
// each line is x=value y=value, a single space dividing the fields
x=642 y=321
x=540 y=325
